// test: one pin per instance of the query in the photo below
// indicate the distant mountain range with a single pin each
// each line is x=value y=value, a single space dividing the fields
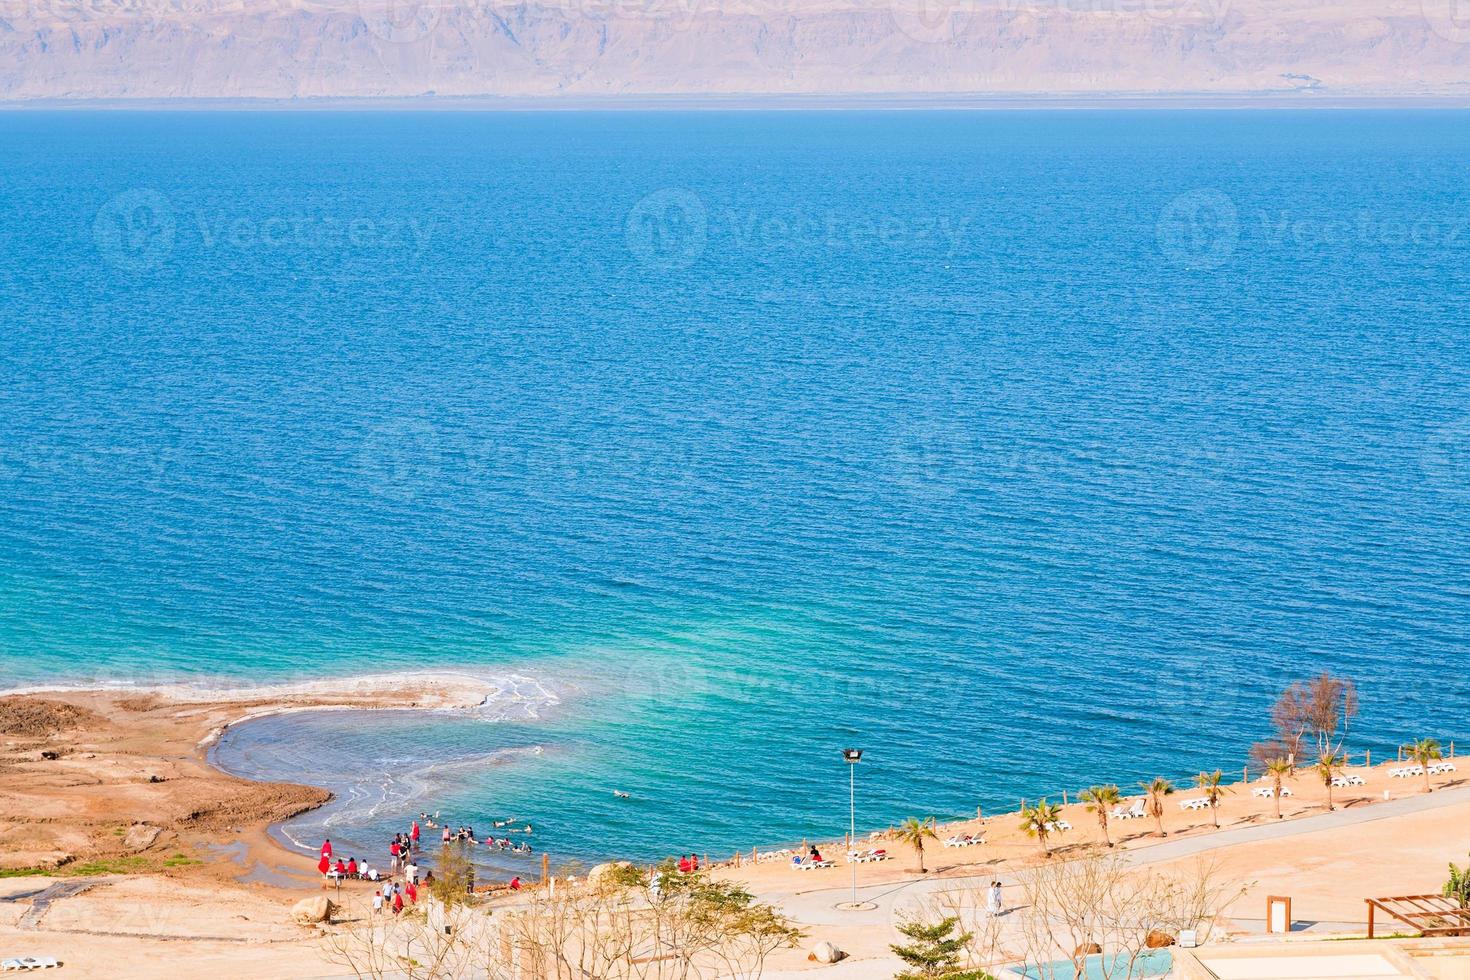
x=272 y=49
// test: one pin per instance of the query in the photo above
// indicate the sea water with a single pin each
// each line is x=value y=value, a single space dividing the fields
x=1020 y=449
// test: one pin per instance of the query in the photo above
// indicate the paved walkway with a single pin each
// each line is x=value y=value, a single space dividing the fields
x=818 y=906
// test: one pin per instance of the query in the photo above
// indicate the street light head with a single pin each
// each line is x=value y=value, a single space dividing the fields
x=852 y=755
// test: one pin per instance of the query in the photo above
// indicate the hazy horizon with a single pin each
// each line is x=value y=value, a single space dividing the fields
x=143 y=50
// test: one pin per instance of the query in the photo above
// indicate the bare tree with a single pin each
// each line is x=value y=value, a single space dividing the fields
x=429 y=942
x=623 y=924
x=1099 y=900
x=1312 y=713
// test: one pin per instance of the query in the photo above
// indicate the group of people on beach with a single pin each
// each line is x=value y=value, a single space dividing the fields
x=392 y=895
x=350 y=868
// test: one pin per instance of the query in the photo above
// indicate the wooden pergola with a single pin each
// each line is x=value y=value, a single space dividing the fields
x=1428 y=915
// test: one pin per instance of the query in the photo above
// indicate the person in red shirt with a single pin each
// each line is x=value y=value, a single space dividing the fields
x=341 y=866
x=397 y=902
x=694 y=862
x=413 y=834
x=352 y=866
x=413 y=893
x=327 y=848
x=515 y=883
x=324 y=865
x=684 y=867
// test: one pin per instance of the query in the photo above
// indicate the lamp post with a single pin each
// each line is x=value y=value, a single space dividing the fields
x=852 y=757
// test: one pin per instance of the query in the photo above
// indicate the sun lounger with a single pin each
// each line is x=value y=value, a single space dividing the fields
x=866 y=857
x=1197 y=804
x=1138 y=810
x=813 y=865
x=965 y=840
x=29 y=963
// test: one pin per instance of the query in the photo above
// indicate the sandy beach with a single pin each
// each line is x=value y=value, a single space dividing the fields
x=127 y=853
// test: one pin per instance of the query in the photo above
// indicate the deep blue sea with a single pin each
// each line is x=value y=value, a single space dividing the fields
x=1021 y=449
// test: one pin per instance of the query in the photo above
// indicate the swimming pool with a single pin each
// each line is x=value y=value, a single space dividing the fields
x=1156 y=963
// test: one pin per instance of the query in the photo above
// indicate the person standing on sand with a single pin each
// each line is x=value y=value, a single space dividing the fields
x=327 y=848
x=325 y=864
x=397 y=902
x=377 y=901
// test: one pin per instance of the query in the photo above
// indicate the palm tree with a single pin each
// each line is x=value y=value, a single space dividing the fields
x=1157 y=789
x=1214 y=789
x=1328 y=766
x=1278 y=769
x=1423 y=752
x=913 y=832
x=1098 y=799
x=1038 y=820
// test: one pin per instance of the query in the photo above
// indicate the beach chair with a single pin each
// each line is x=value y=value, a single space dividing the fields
x=1138 y=810
x=1118 y=813
x=29 y=963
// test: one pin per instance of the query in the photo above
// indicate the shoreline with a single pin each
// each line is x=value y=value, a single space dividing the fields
x=768 y=102
x=95 y=769
x=207 y=715
x=59 y=814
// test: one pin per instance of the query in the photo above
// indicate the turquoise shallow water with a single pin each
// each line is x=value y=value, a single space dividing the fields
x=1022 y=449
